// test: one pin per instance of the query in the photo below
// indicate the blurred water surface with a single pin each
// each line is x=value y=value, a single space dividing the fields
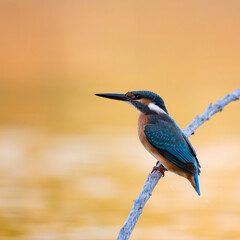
x=70 y=163
x=61 y=186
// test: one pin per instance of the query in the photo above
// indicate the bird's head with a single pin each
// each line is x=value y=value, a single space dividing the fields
x=145 y=101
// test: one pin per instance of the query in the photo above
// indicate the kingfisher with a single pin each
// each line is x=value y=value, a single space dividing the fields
x=161 y=136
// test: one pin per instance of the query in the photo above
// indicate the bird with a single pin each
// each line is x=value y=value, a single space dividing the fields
x=161 y=136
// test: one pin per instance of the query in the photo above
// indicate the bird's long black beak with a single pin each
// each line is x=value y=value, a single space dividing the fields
x=115 y=96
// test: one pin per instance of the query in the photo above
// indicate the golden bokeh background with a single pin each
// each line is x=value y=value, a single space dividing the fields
x=71 y=163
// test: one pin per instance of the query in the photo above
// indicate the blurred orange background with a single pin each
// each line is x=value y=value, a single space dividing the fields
x=68 y=159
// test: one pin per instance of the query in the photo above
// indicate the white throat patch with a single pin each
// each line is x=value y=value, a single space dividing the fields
x=155 y=108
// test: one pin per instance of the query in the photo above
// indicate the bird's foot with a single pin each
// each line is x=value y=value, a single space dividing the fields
x=161 y=169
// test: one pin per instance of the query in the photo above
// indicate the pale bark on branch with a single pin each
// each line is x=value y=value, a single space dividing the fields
x=153 y=178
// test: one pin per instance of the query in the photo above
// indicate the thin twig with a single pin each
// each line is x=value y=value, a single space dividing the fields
x=153 y=178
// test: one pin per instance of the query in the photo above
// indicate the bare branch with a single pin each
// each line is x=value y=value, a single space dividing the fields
x=153 y=178
x=211 y=110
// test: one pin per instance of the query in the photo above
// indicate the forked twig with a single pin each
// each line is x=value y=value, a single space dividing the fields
x=153 y=178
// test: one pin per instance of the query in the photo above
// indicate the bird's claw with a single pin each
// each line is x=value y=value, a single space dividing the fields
x=161 y=169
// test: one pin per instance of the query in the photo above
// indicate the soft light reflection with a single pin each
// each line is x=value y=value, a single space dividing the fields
x=71 y=163
x=44 y=194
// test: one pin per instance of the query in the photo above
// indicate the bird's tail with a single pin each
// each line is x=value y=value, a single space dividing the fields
x=196 y=183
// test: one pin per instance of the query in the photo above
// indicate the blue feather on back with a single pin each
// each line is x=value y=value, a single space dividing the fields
x=165 y=136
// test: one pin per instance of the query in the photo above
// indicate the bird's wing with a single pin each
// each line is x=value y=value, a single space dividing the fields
x=169 y=142
x=193 y=151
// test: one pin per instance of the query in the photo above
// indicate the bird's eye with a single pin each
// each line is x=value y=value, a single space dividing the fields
x=133 y=96
x=138 y=96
